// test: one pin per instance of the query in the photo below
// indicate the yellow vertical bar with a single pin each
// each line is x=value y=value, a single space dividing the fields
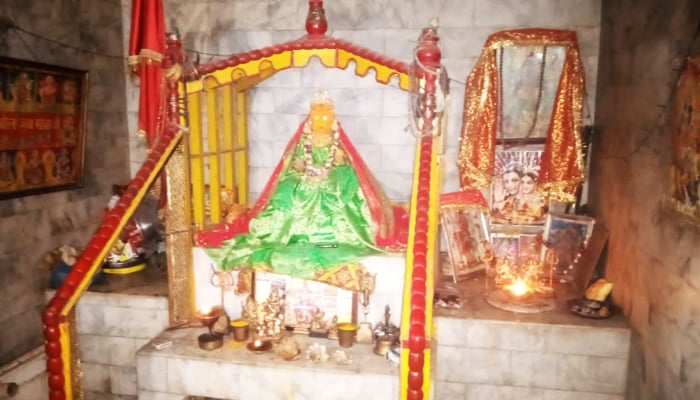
x=228 y=116
x=242 y=147
x=197 y=162
x=213 y=151
x=65 y=341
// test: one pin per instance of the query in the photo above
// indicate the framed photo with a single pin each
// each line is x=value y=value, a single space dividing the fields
x=505 y=246
x=518 y=245
x=529 y=82
x=684 y=188
x=465 y=231
x=307 y=302
x=42 y=127
x=567 y=235
x=530 y=247
x=515 y=194
x=266 y=283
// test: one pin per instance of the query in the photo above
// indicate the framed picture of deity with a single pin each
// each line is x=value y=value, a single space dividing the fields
x=567 y=235
x=516 y=198
x=308 y=305
x=684 y=116
x=465 y=232
x=517 y=246
x=42 y=127
x=529 y=77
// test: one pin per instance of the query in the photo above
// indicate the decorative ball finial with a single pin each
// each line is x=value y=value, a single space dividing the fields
x=428 y=52
x=316 y=23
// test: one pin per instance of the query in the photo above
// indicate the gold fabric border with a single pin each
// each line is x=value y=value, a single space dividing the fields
x=145 y=56
x=561 y=168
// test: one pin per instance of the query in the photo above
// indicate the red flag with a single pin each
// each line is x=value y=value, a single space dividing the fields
x=146 y=52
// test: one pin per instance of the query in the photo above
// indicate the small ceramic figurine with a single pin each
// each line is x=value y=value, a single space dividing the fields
x=271 y=318
x=317 y=353
x=341 y=357
x=333 y=329
x=249 y=308
x=319 y=327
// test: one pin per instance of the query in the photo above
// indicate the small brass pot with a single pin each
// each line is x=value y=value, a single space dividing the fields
x=241 y=329
x=346 y=334
x=382 y=346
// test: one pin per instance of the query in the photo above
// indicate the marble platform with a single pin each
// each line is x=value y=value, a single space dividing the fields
x=234 y=372
x=481 y=352
x=487 y=353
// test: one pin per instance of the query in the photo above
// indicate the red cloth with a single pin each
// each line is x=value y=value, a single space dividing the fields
x=147 y=41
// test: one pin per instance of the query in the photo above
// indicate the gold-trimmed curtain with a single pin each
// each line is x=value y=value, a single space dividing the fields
x=561 y=167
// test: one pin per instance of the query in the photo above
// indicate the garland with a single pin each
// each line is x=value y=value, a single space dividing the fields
x=311 y=170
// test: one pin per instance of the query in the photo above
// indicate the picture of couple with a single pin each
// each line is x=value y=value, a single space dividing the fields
x=515 y=195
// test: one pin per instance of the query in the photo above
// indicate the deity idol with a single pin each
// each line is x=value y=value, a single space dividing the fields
x=321 y=209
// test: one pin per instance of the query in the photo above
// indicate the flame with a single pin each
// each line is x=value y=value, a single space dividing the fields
x=518 y=288
x=205 y=310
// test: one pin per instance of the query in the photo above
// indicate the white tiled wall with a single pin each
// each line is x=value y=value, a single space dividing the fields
x=375 y=116
x=111 y=328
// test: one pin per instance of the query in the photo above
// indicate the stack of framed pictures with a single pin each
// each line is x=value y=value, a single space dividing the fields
x=519 y=227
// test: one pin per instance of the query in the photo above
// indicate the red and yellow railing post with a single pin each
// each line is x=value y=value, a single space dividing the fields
x=421 y=255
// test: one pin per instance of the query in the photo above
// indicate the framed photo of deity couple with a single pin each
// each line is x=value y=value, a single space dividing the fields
x=43 y=112
x=515 y=197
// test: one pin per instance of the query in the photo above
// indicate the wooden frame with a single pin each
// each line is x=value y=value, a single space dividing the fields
x=42 y=127
x=465 y=231
x=568 y=236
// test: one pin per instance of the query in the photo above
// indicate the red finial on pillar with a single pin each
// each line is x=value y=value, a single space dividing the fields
x=316 y=23
x=428 y=52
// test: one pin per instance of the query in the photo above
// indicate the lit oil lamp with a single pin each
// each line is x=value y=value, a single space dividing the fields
x=259 y=346
x=210 y=340
x=518 y=288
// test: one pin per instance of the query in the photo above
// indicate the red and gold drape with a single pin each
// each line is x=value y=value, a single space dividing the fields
x=561 y=167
